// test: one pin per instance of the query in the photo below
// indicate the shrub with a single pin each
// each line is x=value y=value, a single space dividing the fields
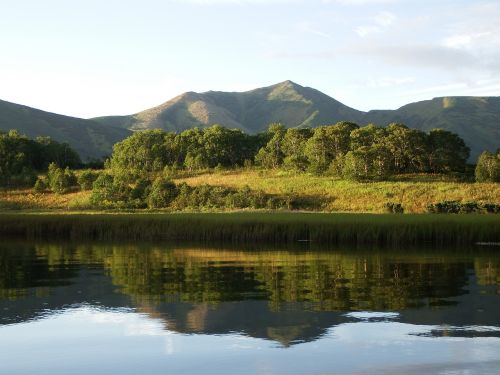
x=488 y=168
x=60 y=181
x=113 y=192
x=40 y=185
x=455 y=207
x=470 y=207
x=445 y=207
x=86 y=179
x=163 y=192
x=394 y=208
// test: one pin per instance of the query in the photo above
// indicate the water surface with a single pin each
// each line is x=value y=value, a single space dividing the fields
x=160 y=309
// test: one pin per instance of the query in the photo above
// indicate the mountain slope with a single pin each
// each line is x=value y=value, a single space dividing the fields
x=252 y=111
x=89 y=138
x=475 y=119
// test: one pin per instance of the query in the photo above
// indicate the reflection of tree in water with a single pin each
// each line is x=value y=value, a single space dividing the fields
x=330 y=281
x=282 y=295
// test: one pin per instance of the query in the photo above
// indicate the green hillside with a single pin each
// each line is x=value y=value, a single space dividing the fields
x=475 y=119
x=89 y=138
x=251 y=111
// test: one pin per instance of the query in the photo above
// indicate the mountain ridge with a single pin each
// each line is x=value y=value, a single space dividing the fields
x=87 y=137
x=476 y=119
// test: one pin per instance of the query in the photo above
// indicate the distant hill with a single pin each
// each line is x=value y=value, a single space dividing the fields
x=251 y=111
x=475 y=119
x=89 y=138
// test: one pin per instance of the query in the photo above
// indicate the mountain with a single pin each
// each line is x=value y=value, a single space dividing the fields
x=251 y=111
x=475 y=119
x=89 y=138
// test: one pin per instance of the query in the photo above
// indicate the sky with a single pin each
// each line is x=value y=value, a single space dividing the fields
x=90 y=58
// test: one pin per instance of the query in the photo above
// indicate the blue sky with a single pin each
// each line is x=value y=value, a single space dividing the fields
x=94 y=57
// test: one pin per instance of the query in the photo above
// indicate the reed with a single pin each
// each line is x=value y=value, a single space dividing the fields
x=262 y=227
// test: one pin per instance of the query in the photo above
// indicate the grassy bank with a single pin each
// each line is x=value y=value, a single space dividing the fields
x=314 y=193
x=355 y=229
x=414 y=192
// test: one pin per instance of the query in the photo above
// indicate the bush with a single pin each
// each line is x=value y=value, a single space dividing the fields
x=163 y=192
x=86 y=179
x=60 y=181
x=455 y=207
x=394 y=208
x=488 y=168
x=470 y=207
x=40 y=185
x=113 y=192
x=445 y=207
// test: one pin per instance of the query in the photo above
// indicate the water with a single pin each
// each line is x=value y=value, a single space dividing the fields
x=162 y=309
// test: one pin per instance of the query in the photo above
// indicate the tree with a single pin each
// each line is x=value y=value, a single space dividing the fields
x=58 y=180
x=488 y=167
x=366 y=136
x=163 y=192
x=367 y=163
x=447 y=152
x=86 y=179
x=141 y=153
x=272 y=155
x=294 y=143
x=408 y=148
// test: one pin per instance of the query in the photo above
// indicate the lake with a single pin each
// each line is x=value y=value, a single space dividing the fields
x=99 y=308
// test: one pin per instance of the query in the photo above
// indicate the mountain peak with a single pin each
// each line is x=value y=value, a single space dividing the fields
x=287 y=83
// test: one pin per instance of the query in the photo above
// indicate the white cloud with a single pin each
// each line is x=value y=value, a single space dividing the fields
x=363 y=31
x=360 y=2
x=381 y=21
x=306 y=27
x=389 y=82
x=385 y=19
x=234 y=2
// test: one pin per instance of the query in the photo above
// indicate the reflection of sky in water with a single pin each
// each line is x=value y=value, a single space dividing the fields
x=83 y=340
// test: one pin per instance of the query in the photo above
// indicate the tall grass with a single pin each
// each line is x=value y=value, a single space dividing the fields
x=245 y=228
x=348 y=196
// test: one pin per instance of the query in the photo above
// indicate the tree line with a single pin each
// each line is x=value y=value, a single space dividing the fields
x=21 y=158
x=344 y=149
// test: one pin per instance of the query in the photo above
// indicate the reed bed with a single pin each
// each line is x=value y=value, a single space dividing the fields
x=261 y=227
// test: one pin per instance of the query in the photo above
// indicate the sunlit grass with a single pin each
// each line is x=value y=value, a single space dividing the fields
x=348 y=196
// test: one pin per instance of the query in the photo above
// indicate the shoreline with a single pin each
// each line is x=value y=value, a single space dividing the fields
x=385 y=230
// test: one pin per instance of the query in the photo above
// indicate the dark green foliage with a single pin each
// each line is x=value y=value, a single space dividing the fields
x=54 y=152
x=394 y=208
x=20 y=157
x=447 y=152
x=492 y=208
x=488 y=167
x=367 y=153
x=113 y=192
x=455 y=207
x=163 y=191
x=272 y=154
x=86 y=179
